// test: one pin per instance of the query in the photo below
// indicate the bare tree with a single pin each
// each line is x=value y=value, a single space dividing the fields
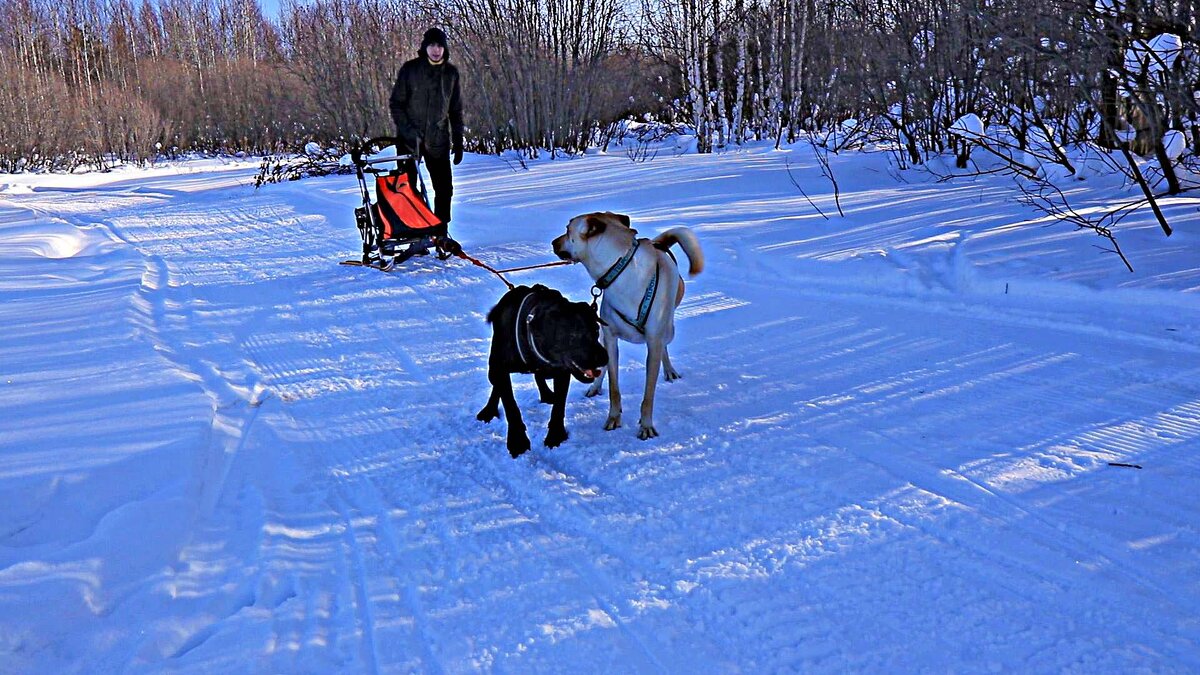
x=536 y=72
x=95 y=79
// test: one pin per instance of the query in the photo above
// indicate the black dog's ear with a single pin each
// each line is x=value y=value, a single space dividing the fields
x=594 y=226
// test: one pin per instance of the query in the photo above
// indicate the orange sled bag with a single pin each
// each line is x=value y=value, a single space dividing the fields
x=400 y=212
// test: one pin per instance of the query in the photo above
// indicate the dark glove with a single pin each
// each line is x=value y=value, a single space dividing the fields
x=458 y=155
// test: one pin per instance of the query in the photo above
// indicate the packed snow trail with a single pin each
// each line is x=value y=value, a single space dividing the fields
x=225 y=453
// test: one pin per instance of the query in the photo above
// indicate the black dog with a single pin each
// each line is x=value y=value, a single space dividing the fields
x=536 y=330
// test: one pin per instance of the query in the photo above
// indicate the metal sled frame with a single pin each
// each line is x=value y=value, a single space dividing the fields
x=378 y=251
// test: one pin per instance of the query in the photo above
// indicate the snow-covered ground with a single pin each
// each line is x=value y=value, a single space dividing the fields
x=890 y=450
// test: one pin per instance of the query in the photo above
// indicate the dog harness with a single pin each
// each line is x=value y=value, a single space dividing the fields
x=524 y=319
x=615 y=271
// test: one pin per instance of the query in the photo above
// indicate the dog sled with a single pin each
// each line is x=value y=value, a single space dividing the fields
x=398 y=224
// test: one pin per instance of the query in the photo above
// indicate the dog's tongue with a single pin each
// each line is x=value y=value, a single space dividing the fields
x=592 y=373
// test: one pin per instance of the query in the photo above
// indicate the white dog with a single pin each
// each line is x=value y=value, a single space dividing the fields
x=642 y=288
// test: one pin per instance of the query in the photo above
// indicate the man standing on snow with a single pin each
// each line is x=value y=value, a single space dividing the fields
x=426 y=105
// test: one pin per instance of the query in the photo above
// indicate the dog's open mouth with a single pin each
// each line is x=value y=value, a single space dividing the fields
x=586 y=374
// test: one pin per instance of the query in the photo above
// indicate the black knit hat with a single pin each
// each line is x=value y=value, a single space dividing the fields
x=433 y=36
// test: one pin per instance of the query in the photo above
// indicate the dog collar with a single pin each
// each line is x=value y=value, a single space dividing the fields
x=613 y=272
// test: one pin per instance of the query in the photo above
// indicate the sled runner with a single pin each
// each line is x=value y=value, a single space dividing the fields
x=399 y=223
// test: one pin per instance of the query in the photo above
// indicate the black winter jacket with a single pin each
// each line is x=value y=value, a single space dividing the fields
x=426 y=103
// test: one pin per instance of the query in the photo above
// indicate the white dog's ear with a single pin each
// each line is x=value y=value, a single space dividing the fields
x=594 y=226
x=623 y=218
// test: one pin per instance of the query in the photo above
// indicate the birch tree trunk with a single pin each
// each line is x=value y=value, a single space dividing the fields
x=740 y=75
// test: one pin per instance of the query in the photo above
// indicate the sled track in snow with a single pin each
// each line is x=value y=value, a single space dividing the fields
x=600 y=585
x=811 y=505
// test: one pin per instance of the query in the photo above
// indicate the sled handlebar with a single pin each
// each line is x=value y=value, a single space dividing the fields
x=367 y=165
x=384 y=160
x=357 y=152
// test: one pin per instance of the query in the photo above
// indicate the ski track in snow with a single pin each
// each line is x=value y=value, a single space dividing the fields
x=225 y=453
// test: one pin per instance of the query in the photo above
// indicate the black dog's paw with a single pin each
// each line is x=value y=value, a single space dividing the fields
x=518 y=445
x=555 y=437
x=489 y=413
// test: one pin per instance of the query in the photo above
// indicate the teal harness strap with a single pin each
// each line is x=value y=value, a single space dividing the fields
x=611 y=275
x=643 y=314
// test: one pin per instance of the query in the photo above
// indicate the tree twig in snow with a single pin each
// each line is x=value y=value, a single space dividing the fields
x=797 y=184
x=1141 y=181
x=827 y=171
x=1050 y=200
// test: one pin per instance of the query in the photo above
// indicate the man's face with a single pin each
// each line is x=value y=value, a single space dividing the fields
x=435 y=52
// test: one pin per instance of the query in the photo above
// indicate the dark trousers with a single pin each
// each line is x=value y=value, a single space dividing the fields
x=442 y=183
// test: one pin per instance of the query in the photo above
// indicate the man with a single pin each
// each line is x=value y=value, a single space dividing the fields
x=426 y=105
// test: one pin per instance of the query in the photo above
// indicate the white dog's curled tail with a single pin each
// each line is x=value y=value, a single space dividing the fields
x=691 y=246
